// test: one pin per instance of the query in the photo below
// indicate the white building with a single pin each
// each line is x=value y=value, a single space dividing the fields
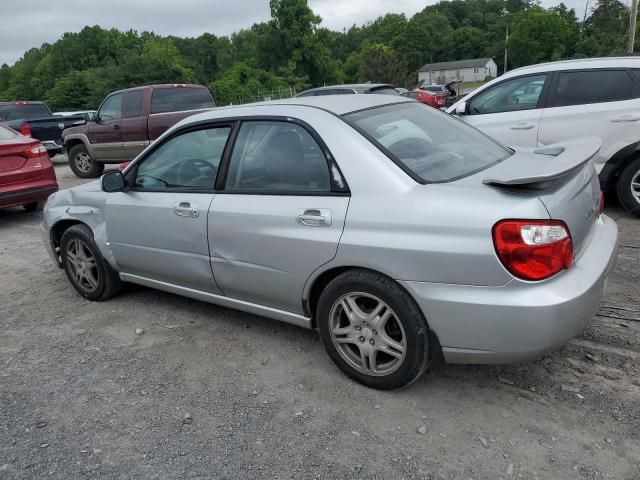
x=475 y=70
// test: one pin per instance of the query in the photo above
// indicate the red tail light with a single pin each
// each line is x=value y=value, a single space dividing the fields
x=25 y=129
x=36 y=151
x=533 y=249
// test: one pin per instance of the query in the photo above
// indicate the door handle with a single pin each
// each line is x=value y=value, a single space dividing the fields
x=186 y=209
x=116 y=127
x=522 y=126
x=626 y=118
x=314 y=217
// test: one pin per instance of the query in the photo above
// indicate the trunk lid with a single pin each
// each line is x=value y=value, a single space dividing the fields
x=562 y=176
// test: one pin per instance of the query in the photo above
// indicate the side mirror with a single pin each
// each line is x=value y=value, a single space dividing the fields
x=112 y=182
x=461 y=108
x=90 y=116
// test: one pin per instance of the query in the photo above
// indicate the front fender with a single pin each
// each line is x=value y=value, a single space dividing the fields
x=64 y=208
x=73 y=138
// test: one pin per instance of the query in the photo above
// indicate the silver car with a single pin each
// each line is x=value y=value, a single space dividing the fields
x=397 y=231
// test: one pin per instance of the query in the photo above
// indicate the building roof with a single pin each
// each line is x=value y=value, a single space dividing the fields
x=474 y=62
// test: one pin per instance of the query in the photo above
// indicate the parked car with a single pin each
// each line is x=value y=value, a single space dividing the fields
x=356 y=88
x=397 y=231
x=435 y=100
x=551 y=102
x=27 y=176
x=34 y=119
x=128 y=121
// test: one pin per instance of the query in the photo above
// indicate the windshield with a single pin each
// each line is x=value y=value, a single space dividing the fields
x=7 y=134
x=23 y=111
x=383 y=91
x=432 y=145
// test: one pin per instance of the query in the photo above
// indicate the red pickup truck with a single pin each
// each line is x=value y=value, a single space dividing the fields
x=127 y=121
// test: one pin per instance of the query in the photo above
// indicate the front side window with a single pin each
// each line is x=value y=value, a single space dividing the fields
x=432 y=145
x=277 y=157
x=512 y=95
x=111 y=109
x=188 y=161
x=595 y=86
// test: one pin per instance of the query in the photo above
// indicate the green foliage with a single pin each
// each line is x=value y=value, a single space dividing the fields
x=242 y=83
x=291 y=51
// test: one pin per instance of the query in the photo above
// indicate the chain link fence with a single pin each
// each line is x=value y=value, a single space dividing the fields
x=262 y=96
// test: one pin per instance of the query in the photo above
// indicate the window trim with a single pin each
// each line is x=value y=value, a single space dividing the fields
x=131 y=173
x=542 y=99
x=556 y=78
x=336 y=190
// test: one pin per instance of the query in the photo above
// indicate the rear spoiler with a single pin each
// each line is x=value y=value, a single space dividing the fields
x=540 y=165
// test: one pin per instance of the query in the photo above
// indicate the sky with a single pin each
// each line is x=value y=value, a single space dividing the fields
x=30 y=23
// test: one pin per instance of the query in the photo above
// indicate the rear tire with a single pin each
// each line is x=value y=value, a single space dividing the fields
x=373 y=330
x=628 y=187
x=83 y=164
x=89 y=273
x=34 y=207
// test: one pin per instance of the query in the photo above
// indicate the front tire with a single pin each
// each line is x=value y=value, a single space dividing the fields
x=89 y=273
x=83 y=164
x=373 y=330
x=34 y=207
x=628 y=187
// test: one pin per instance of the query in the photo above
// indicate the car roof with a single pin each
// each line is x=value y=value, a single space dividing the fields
x=335 y=104
x=360 y=87
x=584 y=63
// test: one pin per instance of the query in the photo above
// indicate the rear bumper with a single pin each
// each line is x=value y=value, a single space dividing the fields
x=53 y=148
x=31 y=193
x=520 y=320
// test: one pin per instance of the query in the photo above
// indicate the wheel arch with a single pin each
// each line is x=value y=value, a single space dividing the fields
x=77 y=139
x=317 y=283
x=57 y=230
x=614 y=166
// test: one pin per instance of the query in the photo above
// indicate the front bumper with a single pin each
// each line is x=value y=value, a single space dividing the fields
x=520 y=320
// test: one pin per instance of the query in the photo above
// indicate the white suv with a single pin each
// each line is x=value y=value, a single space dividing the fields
x=547 y=103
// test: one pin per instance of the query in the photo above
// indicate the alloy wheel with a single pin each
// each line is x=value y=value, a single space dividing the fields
x=635 y=186
x=367 y=334
x=83 y=162
x=82 y=265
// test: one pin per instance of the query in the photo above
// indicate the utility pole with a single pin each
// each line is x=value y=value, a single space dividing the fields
x=632 y=26
x=506 y=41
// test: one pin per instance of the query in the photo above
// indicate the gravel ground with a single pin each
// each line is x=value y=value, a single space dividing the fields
x=207 y=392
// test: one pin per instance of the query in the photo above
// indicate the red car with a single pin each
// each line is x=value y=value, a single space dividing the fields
x=433 y=99
x=27 y=176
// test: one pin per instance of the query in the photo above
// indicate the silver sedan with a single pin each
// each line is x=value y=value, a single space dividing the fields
x=398 y=232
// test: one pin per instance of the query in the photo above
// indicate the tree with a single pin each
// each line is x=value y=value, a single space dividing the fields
x=538 y=35
x=242 y=83
x=381 y=64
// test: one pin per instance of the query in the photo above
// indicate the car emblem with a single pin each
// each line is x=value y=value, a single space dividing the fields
x=61 y=126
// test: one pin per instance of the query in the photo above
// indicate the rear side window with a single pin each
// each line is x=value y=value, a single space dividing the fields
x=426 y=143
x=595 y=86
x=23 y=111
x=133 y=104
x=179 y=99
x=277 y=157
x=6 y=134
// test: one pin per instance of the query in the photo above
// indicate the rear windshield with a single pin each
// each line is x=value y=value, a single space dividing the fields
x=383 y=91
x=433 y=89
x=178 y=99
x=7 y=134
x=430 y=144
x=28 y=112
